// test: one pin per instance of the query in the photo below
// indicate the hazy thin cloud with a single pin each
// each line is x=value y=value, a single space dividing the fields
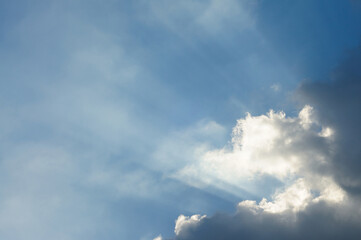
x=180 y=119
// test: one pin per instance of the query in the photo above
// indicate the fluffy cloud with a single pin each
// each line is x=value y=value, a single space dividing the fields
x=292 y=150
x=184 y=222
x=317 y=221
x=295 y=150
x=314 y=155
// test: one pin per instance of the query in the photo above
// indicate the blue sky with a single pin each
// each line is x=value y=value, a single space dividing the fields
x=112 y=111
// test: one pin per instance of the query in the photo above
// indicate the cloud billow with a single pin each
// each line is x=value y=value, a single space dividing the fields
x=317 y=221
x=315 y=155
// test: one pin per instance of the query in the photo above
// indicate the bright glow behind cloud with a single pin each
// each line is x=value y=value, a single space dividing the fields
x=293 y=150
x=290 y=149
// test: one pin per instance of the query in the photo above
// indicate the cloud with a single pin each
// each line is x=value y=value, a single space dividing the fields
x=339 y=104
x=184 y=222
x=184 y=146
x=276 y=87
x=70 y=127
x=317 y=221
x=208 y=17
x=295 y=150
x=218 y=14
x=158 y=238
x=272 y=145
x=315 y=155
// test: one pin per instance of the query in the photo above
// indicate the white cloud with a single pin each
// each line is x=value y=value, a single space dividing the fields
x=291 y=149
x=305 y=116
x=158 y=238
x=297 y=197
x=273 y=145
x=294 y=198
x=185 y=222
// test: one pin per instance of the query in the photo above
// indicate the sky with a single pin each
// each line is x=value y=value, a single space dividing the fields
x=159 y=120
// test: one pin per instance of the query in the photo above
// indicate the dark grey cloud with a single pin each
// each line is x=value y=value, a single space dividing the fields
x=318 y=221
x=339 y=105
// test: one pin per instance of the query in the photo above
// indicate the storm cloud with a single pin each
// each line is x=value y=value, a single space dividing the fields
x=339 y=105
x=318 y=221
